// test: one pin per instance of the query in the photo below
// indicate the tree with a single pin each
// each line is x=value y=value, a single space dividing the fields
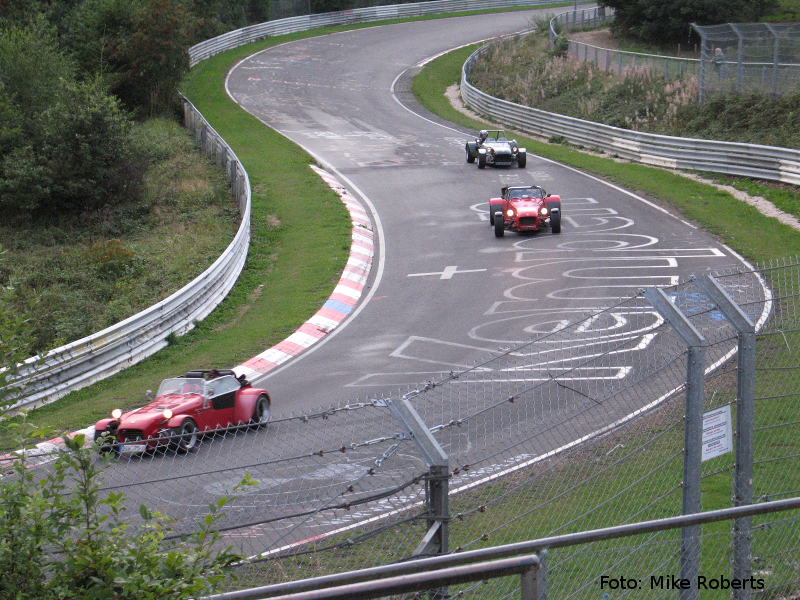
x=95 y=33
x=665 y=21
x=66 y=145
x=155 y=58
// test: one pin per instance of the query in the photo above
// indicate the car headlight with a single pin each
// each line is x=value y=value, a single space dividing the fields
x=509 y=213
x=116 y=413
x=166 y=413
x=544 y=210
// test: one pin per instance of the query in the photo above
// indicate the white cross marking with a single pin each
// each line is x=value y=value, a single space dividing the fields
x=447 y=273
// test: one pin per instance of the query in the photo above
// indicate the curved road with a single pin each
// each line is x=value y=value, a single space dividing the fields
x=443 y=294
x=444 y=281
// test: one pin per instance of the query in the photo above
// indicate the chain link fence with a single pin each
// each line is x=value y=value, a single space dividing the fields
x=749 y=57
x=582 y=427
x=761 y=58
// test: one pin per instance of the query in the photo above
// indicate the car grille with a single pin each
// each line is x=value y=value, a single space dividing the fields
x=131 y=435
x=527 y=220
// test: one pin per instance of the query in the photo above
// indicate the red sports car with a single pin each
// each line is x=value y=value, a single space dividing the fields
x=184 y=408
x=524 y=208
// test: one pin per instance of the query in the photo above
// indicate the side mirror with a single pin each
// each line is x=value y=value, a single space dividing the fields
x=148 y=395
x=211 y=391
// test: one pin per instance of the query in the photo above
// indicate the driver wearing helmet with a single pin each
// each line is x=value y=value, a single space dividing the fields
x=482 y=135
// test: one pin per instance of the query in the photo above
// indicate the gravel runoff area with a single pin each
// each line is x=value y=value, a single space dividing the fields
x=762 y=204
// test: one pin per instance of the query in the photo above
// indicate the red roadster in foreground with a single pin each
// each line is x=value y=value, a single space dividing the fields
x=524 y=208
x=184 y=408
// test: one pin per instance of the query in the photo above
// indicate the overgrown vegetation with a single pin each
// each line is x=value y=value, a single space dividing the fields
x=74 y=275
x=527 y=72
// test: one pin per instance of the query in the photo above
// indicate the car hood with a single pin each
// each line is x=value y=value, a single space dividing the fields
x=150 y=413
x=499 y=146
x=527 y=207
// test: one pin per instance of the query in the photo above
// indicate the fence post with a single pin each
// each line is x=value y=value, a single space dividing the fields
x=745 y=417
x=436 y=539
x=693 y=435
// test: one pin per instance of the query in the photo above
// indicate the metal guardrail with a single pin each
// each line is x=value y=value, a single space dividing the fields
x=732 y=158
x=449 y=569
x=233 y=39
x=80 y=363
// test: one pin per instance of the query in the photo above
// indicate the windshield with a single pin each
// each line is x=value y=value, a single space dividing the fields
x=497 y=135
x=530 y=192
x=181 y=385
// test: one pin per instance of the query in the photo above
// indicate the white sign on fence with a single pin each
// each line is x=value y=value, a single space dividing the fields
x=717 y=432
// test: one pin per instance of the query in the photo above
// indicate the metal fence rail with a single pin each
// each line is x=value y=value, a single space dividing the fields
x=748 y=160
x=81 y=363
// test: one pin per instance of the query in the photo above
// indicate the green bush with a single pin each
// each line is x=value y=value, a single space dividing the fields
x=60 y=537
x=67 y=146
x=669 y=20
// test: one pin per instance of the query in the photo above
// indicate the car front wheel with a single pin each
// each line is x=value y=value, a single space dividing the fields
x=522 y=160
x=499 y=226
x=481 y=161
x=555 y=222
x=188 y=437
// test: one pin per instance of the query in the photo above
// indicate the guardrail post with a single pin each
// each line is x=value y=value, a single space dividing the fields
x=745 y=417
x=693 y=435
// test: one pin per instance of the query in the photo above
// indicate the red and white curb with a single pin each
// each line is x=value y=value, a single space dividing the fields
x=342 y=301
x=337 y=308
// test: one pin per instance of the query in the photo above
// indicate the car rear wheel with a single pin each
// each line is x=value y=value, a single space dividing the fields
x=555 y=222
x=261 y=412
x=491 y=216
x=188 y=437
x=499 y=226
x=481 y=161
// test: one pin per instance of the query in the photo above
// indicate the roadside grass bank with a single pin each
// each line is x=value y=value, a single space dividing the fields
x=292 y=266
